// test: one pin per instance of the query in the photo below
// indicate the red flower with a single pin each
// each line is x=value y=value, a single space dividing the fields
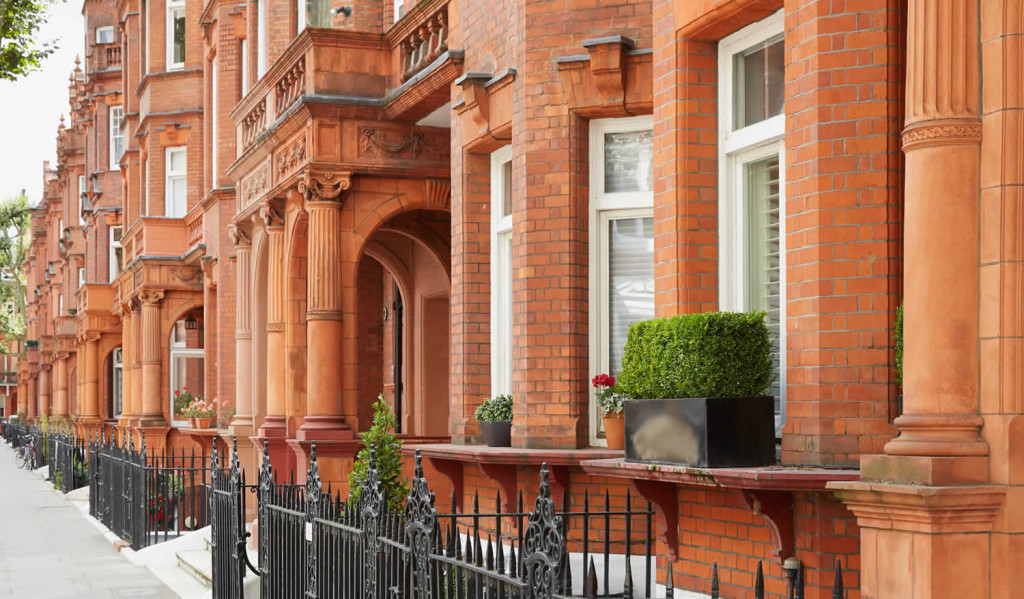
x=603 y=380
x=177 y=393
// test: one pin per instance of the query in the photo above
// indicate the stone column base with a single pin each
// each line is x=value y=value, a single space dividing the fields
x=923 y=542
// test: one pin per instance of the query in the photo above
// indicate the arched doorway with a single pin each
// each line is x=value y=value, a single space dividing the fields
x=404 y=286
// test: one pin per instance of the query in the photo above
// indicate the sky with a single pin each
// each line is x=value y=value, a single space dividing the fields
x=30 y=108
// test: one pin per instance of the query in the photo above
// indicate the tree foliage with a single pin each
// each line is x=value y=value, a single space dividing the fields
x=15 y=223
x=21 y=52
x=387 y=455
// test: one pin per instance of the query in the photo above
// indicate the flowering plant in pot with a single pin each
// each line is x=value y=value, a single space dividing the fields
x=495 y=417
x=698 y=390
x=201 y=412
x=611 y=403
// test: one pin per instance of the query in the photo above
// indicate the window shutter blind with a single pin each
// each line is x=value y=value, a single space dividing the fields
x=764 y=254
x=630 y=281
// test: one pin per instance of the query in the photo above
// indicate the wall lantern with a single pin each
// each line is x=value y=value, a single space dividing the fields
x=191 y=324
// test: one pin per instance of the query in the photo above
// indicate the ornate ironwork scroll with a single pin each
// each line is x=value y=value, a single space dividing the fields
x=421 y=522
x=371 y=509
x=314 y=491
x=543 y=544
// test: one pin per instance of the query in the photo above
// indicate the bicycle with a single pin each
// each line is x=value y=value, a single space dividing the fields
x=25 y=456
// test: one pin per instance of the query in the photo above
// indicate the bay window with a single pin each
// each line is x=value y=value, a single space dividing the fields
x=116 y=382
x=501 y=271
x=621 y=241
x=175 y=34
x=752 y=247
x=175 y=201
x=105 y=35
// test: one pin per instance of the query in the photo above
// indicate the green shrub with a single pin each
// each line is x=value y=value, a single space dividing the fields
x=716 y=354
x=388 y=456
x=898 y=344
x=495 y=409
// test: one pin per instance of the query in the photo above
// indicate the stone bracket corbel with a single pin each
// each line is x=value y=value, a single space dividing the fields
x=451 y=470
x=608 y=66
x=664 y=496
x=474 y=98
x=777 y=508
x=504 y=475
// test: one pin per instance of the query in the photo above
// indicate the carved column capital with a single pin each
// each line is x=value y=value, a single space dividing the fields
x=326 y=187
x=61 y=355
x=90 y=336
x=151 y=298
x=239 y=236
x=272 y=214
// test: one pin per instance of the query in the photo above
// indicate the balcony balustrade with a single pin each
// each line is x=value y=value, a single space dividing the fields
x=194 y=226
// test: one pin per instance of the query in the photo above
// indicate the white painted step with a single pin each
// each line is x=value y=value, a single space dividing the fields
x=199 y=564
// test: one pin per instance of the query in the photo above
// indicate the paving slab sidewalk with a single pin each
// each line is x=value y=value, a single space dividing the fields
x=47 y=549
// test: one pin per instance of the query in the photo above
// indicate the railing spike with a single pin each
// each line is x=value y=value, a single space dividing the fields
x=513 y=563
x=670 y=587
x=490 y=554
x=627 y=585
x=759 y=582
x=714 y=581
x=799 y=584
x=591 y=590
x=837 y=585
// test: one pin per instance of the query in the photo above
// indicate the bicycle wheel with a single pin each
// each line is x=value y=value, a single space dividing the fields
x=21 y=458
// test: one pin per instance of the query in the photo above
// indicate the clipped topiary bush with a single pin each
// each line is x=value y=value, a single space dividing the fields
x=387 y=450
x=714 y=354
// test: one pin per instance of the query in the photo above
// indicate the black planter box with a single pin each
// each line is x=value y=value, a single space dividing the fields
x=497 y=434
x=707 y=432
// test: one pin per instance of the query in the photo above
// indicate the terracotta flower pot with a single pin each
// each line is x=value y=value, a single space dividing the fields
x=497 y=434
x=615 y=430
x=202 y=422
x=192 y=422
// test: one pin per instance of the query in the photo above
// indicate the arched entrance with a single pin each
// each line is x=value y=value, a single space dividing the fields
x=404 y=284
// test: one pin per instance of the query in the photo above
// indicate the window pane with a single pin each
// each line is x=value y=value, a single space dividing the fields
x=630 y=281
x=760 y=83
x=506 y=193
x=763 y=249
x=178 y=161
x=186 y=373
x=176 y=200
x=179 y=35
x=628 y=164
x=104 y=35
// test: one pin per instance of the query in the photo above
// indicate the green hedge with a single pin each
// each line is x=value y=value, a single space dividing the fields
x=714 y=354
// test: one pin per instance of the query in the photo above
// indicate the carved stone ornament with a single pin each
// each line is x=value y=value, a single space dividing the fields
x=238 y=235
x=382 y=143
x=187 y=274
x=254 y=186
x=271 y=215
x=940 y=133
x=291 y=158
x=325 y=187
x=151 y=297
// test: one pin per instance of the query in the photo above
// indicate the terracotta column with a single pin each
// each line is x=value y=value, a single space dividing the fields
x=135 y=335
x=274 y=424
x=152 y=412
x=60 y=392
x=324 y=329
x=91 y=376
x=243 y=329
x=32 y=402
x=925 y=509
x=79 y=407
x=127 y=348
x=44 y=389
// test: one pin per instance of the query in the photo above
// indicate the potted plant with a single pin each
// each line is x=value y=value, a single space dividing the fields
x=697 y=386
x=495 y=417
x=387 y=451
x=182 y=398
x=611 y=404
x=201 y=412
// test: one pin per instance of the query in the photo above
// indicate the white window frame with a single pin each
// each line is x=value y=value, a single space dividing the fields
x=737 y=148
x=243 y=50
x=177 y=350
x=115 y=135
x=174 y=7
x=100 y=30
x=605 y=207
x=117 y=382
x=148 y=34
x=213 y=120
x=81 y=277
x=60 y=304
x=114 y=245
x=81 y=200
x=144 y=204
x=501 y=291
x=398 y=5
x=301 y=10
x=261 y=38
x=169 y=177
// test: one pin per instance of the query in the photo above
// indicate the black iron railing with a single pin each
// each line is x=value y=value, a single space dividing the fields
x=312 y=544
x=146 y=497
x=68 y=465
